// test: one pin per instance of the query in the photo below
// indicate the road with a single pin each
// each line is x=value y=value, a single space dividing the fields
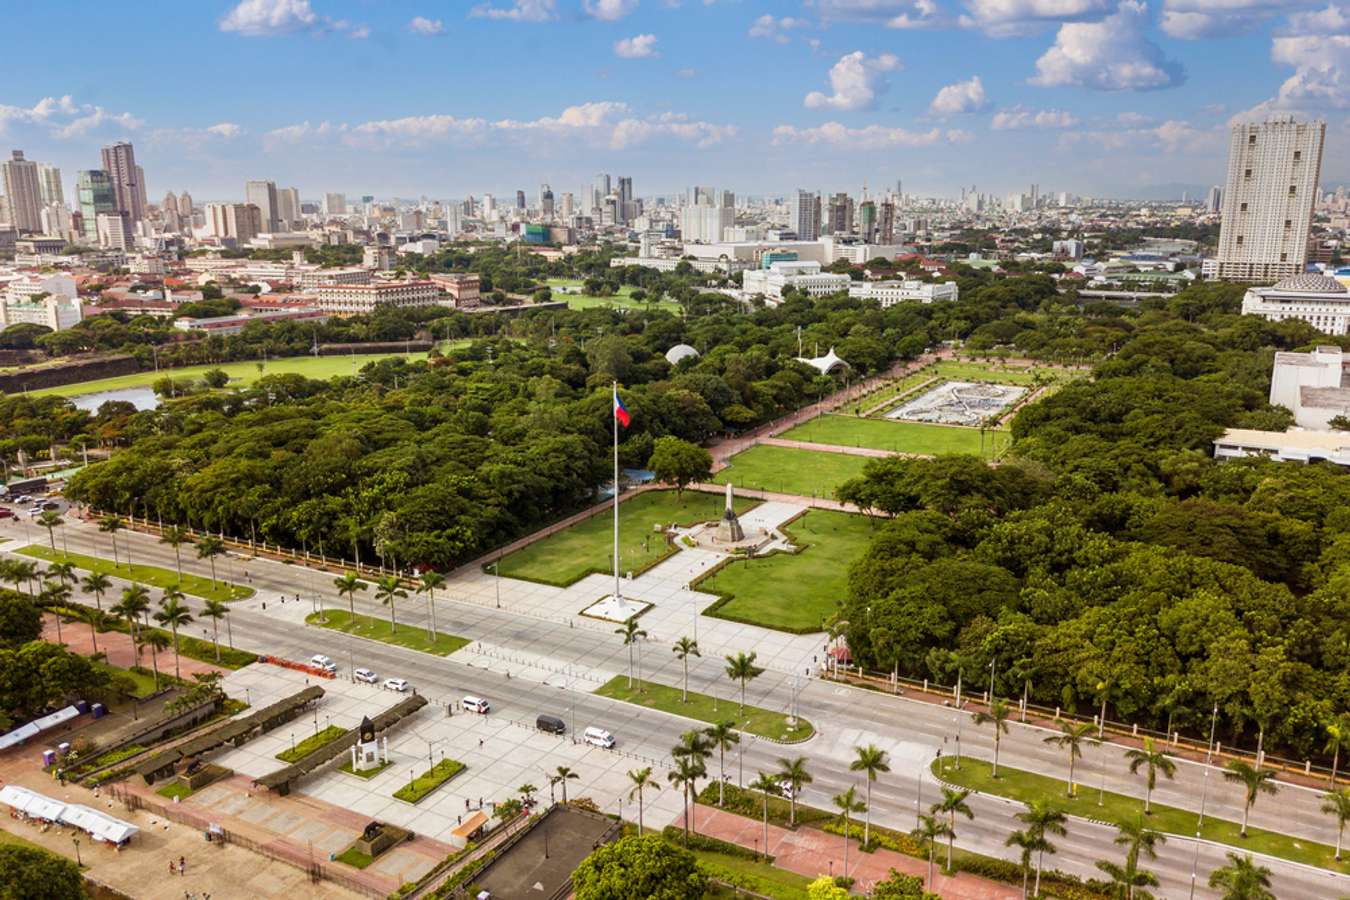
x=912 y=732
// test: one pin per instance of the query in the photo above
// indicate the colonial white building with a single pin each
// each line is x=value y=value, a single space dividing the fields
x=56 y=312
x=364 y=298
x=1320 y=301
x=801 y=274
x=1285 y=446
x=889 y=293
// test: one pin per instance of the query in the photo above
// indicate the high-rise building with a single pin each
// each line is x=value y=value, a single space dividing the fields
x=49 y=182
x=263 y=194
x=1273 y=170
x=185 y=206
x=335 y=204
x=867 y=221
x=706 y=223
x=119 y=161
x=600 y=189
x=24 y=191
x=489 y=206
x=240 y=221
x=841 y=214
x=568 y=205
x=1214 y=202
x=114 y=230
x=97 y=196
x=546 y=201
x=805 y=215
x=140 y=188
x=627 y=207
x=288 y=207
x=520 y=199
x=886 y=223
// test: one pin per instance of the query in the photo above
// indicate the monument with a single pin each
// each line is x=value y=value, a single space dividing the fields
x=729 y=530
x=366 y=752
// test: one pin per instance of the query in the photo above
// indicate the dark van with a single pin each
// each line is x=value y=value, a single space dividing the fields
x=551 y=724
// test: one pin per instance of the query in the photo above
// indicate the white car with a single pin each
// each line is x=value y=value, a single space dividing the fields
x=320 y=661
x=599 y=737
x=396 y=684
x=34 y=512
x=365 y=675
x=785 y=788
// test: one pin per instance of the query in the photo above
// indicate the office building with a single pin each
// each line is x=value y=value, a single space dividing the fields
x=49 y=183
x=115 y=231
x=1320 y=301
x=627 y=208
x=867 y=220
x=119 y=161
x=97 y=196
x=840 y=214
x=365 y=298
x=1214 y=203
x=520 y=199
x=600 y=189
x=335 y=204
x=263 y=195
x=803 y=275
x=241 y=222
x=889 y=293
x=804 y=217
x=463 y=289
x=568 y=206
x=56 y=312
x=546 y=201
x=1273 y=169
x=886 y=223
x=705 y=224
x=185 y=207
x=288 y=207
x=24 y=191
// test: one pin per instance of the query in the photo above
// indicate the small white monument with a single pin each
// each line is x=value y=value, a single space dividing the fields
x=729 y=530
x=366 y=752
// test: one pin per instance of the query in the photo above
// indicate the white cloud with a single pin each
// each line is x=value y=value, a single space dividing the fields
x=1172 y=137
x=1111 y=55
x=639 y=46
x=416 y=129
x=428 y=27
x=962 y=97
x=766 y=26
x=225 y=130
x=686 y=73
x=518 y=11
x=62 y=117
x=1316 y=45
x=609 y=10
x=870 y=137
x=630 y=132
x=264 y=18
x=294 y=134
x=1134 y=119
x=855 y=81
x=1193 y=19
x=891 y=13
x=1020 y=117
x=1005 y=18
x=360 y=32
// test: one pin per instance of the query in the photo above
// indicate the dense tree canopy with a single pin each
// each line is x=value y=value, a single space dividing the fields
x=639 y=868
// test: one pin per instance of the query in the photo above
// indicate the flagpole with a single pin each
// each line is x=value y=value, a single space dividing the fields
x=618 y=594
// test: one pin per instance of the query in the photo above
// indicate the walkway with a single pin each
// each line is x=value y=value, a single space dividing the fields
x=118 y=647
x=828 y=448
x=812 y=853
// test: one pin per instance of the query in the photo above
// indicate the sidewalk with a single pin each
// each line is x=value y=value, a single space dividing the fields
x=119 y=651
x=812 y=853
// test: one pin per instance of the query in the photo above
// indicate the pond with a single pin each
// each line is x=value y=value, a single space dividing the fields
x=140 y=397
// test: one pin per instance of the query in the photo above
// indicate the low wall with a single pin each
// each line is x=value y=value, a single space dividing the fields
x=70 y=372
x=374 y=347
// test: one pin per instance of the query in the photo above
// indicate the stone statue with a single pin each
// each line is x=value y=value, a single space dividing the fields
x=729 y=530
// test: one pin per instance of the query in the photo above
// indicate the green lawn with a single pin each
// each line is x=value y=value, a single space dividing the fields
x=152 y=576
x=242 y=373
x=1118 y=808
x=145 y=683
x=793 y=591
x=919 y=438
x=411 y=636
x=364 y=773
x=759 y=877
x=621 y=300
x=355 y=858
x=429 y=780
x=808 y=473
x=566 y=557
x=174 y=790
x=311 y=743
x=763 y=722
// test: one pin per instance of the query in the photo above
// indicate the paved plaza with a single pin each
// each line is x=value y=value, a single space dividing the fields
x=959 y=403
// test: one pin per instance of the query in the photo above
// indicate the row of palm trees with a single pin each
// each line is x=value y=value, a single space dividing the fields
x=388 y=591
x=740 y=668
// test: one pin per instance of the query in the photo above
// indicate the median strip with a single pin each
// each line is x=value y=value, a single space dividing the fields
x=154 y=576
x=409 y=636
x=764 y=723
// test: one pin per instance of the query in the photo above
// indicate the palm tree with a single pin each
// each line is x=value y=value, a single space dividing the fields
x=176 y=536
x=55 y=594
x=215 y=610
x=642 y=779
x=952 y=802
x=723 y=736
x=694 y=745
x=848 y=803
x=96 y=583
x=1071 y=737
x=157 y=641
x=1028 y=844
x=208 y=548
x=1337 y=803
x=792 y=772
x=173 y=612
x=1242 y=879
x=998 y=714
x=685 y=775
x=930 y=829
x=387 y=590
x=96 y=620
x=1255 y=781
x=1138 y=841
x=23 y=571
x=564 y=775
x=347 y=585
x=684 y=648
x=51 y=520
x=870 y=759
x=1043 y=818
x=630 y=633
x=767 y=784
x=63 y=572
x=427 y=584
x=111 y=524
x=1156 y=761
x=742 y=668
x=1338 y=737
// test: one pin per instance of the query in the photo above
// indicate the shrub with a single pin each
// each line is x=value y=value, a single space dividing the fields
x=675 y=834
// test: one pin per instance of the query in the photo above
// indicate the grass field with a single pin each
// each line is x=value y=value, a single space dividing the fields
x=413 y=637
x=760 y=877
x=566 y=557
x=763 y=722
x=152 y=576
x=793 y=591
x=415 y=790
x=145 y=683
x=355 y=858
x=809 y=473
x=364 y=773
x=311 y=743
x=1118 y=808
x=900 y=437
x=621 y=300
x=175 y=791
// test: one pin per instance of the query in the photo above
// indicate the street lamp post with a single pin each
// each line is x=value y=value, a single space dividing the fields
x=1213 y=720
x=497 y=571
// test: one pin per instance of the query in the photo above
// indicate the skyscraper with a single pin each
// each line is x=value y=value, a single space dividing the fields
x=546 y=201
x=600 y=189
x=263 y=194
x=24 y=191
x=335 y=204
x=1273 y=169
x=1214 y=203
x=520 y=199
x=886 y=223
x=185 y=206
x=805 y=215
x=49 y=182
x=627 y=208
x=568 y=205
x=288 y=207
x=841 y=214
x=119 y=161
x=867 y=221
x=97 y=196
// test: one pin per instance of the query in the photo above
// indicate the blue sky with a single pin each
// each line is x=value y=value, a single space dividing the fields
x=450 y=98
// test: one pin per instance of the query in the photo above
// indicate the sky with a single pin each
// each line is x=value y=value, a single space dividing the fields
x=444 y=99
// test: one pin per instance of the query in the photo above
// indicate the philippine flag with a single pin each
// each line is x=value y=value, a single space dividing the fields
x=620 y=411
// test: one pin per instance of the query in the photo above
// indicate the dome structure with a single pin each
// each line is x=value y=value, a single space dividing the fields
x=679 y=353
x=1311 y=283
x=827 y=363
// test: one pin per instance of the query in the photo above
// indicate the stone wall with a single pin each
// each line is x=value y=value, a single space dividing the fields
x=70 y=372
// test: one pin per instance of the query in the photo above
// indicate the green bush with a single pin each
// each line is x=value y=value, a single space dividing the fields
x=883 y=837
x=675 y=834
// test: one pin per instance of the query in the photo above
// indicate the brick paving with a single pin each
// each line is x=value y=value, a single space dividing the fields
x=119 y=649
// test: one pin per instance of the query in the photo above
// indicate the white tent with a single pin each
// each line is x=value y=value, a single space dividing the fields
x=37 y=726
x=32 y=803
x=100 y=826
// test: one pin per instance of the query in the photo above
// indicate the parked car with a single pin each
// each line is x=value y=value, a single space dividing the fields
x=396 y=684
x=475 y=705
x=34 y=512
x=365 y=675
x=6 y=512
x=599 y=737
x=323 y=662
x=23 y=498
x=785 y=788
x=551 y=724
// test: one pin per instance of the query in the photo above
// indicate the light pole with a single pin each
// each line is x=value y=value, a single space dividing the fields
x=1213 y=720
x=497 y=571
x=1101 y=795
x=1200 y=824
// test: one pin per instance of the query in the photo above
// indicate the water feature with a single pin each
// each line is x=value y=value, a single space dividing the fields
x=140 y=397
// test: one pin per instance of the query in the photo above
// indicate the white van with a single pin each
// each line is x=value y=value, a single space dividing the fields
x=320 y=661
x=599 y=737
x=475 y=705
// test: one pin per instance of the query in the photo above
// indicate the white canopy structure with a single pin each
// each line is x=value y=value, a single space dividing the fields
x=679 y=353
x=98 y=825
x=825 y=364
x=37 y=726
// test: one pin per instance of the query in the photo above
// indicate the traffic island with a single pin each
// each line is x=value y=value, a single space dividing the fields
x=428 y=781
x=774 y=726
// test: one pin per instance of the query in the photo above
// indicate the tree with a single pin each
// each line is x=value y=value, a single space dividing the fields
x=215 y=378
x=1338 y=737
x=1071 y=737
x=685 y=775
x=110 y=525
x=157 y=641
x=826 y=888
x=1154 y=761
x=899 y=886
x=388 y=590
x=1027 y=843
x=793 y=774
x=639 y=868
x=215 y=610
x=347 y=585
x=872 y=760
x=565 y=775
x=742 y=668
x=631 y=633
x=952 y=802
x=766 y=784
x=1138 y=842
x=723 y=736
x=54 y=595
x=684 y=648
x=51 y=520
x=31 y=873
x=134 y=603
x=428 y=584
x=1337 y=803
x=63 y=572
x=1254 y=782
x=96 y=583
x=678 y=462
x=641 y=779
x=208 y=548
x=20 y=620
x=1042 y=819
x=176 y=536
x=930 y=829
x=23 y=571
x=1242 y=879
x=998 y=714
x=848 y=803
x=173 y=612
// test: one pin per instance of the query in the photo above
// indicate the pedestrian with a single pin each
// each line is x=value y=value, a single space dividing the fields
x=480 y=743
x=466 y=799
x=170 y=867
x=182 y=864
